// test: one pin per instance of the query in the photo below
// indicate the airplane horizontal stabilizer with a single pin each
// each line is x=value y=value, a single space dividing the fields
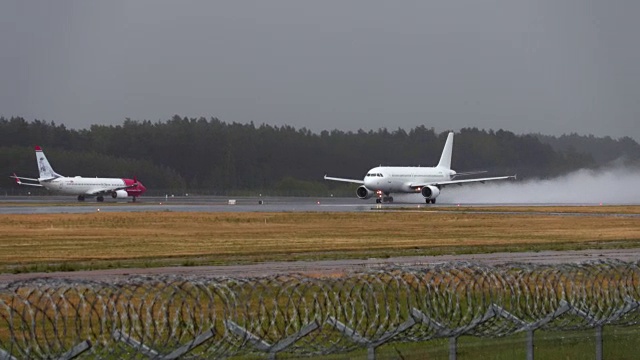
x=19 y=180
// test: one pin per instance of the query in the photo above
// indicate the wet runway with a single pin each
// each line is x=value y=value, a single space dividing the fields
x=59 y=204
x=68 y=205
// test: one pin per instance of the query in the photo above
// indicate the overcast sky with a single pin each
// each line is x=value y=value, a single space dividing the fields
x=548 y=66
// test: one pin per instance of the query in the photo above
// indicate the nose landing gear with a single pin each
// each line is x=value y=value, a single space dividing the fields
x=386 y=199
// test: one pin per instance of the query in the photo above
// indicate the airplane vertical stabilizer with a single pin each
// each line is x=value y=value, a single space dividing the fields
x=45 y=169
x=445 y=158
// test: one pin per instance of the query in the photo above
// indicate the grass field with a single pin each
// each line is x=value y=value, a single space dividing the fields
x=53 y=242
x=144 y=239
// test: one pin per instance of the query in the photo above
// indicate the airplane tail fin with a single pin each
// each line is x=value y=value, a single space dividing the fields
x=45 y=169
x=445 y=158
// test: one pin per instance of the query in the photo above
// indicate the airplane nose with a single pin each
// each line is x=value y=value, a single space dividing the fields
x=368 y=183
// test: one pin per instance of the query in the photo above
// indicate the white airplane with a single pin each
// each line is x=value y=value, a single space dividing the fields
x=383 y=180
x=81 y=186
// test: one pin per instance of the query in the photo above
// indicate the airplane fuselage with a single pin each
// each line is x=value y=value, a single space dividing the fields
x=402 y=179
x=85 y=186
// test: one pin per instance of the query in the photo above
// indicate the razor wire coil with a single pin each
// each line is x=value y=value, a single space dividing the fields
x=218 y=317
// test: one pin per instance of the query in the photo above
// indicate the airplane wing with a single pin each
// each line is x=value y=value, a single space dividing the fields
x=461 y=182
x=19 y=180
x=469 y=173
x=344 y=180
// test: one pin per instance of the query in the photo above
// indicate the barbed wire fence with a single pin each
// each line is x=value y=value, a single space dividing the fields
x=172 y=317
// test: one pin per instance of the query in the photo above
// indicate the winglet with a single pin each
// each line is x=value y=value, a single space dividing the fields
x=38 y=148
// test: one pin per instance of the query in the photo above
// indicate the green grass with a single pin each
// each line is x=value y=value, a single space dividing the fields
x=618 y=343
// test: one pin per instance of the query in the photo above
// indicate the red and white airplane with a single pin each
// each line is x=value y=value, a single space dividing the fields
x=81 y=186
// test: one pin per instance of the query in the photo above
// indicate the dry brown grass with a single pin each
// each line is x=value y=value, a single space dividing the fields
x=101 y=238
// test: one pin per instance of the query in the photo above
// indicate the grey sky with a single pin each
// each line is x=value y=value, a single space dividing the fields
x=548 y=66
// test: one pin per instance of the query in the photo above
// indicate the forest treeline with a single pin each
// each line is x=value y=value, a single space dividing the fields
x=212 y=156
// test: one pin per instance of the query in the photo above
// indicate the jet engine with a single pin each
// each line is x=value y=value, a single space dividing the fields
x=430 y=192
x=119 y=194
x=364 y=193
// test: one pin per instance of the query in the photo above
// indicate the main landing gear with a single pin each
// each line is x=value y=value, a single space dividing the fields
x=433 y=201
x=98 y=198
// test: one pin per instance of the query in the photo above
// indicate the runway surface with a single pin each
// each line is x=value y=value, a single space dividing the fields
x=68 y=204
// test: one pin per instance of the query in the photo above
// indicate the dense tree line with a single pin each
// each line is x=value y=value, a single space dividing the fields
x=603 y=150
x=209 y=155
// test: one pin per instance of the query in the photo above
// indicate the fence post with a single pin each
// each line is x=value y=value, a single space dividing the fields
x=271 y=349
x=6 y=356
x=151 y=353
x=369 y=344
x=453 y=348
x=530 y=344
x=599 y=342
x=76 y=350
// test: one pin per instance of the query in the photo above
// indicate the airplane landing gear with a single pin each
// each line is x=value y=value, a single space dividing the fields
x=80 y=197
x=384 y=199
x=433 y=201
x=100 y=198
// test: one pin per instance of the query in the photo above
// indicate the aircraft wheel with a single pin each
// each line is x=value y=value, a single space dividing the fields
x=378 y=201
x=390 y=199
x=427 y=200
x=100 y=199
x=433 y=201
x=80 y=198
